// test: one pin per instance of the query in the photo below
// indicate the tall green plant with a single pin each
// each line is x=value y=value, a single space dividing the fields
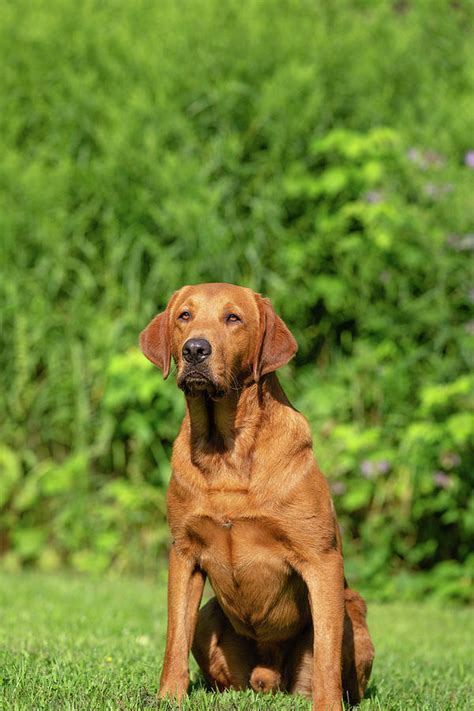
x=301 y=149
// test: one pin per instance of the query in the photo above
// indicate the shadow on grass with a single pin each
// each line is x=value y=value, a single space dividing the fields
x=201 y=698
x=371 y=691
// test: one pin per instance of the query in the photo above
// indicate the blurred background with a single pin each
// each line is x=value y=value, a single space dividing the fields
x=321 y=153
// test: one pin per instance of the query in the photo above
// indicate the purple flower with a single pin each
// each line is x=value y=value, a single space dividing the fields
x=367 y=468
x=371 y=469
x=442 y=480
x=449 y=460
x=434 y=191
x=433 y=158
x=469 y=159
x=431 y=190
x=461 y=243
x=415 y=155
x=383 y=466
x=425 y=159
x=453 y=241
x=373 y=197
x=466 y=243
x=338 y=488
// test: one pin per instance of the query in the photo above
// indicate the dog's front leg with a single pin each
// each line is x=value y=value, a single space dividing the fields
x=185 y=586
x=324 y=577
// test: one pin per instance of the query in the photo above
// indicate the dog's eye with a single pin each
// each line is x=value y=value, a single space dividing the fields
x=232 y=318
x=184 y=316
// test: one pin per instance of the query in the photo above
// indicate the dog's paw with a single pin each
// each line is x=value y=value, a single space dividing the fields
x=265 y=680
x=173 y=690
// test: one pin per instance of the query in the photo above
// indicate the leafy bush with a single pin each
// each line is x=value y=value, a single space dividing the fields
x=318 y=153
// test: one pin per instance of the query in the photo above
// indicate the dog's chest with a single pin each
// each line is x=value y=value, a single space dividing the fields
x=244 y=550
x=227 y=529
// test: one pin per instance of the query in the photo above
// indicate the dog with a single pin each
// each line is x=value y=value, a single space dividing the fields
x=249 y=509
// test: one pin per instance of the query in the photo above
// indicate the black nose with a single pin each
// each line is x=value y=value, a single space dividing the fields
x=196 y=350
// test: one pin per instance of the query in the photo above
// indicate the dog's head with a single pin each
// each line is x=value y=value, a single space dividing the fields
x=219 y=336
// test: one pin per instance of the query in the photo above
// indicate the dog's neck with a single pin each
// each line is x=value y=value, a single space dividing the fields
x=228 y=426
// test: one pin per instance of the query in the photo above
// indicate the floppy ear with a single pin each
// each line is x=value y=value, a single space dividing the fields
x=155 y=340
x=275 y=344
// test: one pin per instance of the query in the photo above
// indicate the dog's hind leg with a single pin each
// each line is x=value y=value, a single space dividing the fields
x=299 y=666
x=226 y=658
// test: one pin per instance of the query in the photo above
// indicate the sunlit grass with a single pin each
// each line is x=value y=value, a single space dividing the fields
x=78 y=643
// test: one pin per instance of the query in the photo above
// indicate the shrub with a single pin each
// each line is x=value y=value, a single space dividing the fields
x=318 y=153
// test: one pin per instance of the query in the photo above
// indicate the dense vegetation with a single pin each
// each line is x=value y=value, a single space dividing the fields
x=72 y=643
x=319 y=153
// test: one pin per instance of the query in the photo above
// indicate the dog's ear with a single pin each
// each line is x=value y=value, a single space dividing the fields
x=155 y=339
x=275 y=344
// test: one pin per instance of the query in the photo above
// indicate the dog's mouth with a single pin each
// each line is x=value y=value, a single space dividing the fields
x=194 y=381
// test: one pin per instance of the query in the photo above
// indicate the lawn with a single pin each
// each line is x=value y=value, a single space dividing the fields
x=69 y=642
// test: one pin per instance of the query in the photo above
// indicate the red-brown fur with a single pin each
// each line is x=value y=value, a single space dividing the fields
x=249 y=508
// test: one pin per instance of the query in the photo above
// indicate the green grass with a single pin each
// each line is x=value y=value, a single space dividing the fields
x=76 y=643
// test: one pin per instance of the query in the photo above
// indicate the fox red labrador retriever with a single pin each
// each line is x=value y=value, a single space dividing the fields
x=249 y=508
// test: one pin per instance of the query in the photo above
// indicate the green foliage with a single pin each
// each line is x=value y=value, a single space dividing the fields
x=315 y=152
